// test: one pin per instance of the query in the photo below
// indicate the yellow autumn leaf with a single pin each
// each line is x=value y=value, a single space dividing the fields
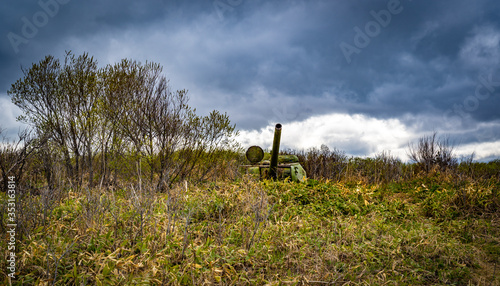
x=155 y=270
x=131 y=257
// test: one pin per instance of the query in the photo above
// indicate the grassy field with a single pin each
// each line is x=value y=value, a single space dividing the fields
x=247 y=232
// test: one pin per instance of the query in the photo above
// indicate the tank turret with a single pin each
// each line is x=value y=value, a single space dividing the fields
x=272 y=165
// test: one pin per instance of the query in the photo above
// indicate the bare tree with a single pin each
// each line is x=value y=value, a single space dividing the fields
x=80 y=92
x=61 y=103
x=38 y=95
x=430 y=152
x=123 y=114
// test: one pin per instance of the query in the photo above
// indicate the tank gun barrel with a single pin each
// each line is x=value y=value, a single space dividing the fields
x=273 y=166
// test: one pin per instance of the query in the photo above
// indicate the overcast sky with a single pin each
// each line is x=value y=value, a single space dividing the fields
x=359 y=76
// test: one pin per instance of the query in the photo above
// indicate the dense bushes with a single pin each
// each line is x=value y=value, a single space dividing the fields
x=117 y=123
x=335 y=165
x=430 y=158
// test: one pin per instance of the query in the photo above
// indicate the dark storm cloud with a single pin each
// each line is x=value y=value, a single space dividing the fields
x=265 y=61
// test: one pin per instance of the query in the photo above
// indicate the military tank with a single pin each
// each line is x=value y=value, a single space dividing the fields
x=272 y=165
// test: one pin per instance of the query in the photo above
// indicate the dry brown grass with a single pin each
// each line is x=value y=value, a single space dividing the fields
x=257 y=233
